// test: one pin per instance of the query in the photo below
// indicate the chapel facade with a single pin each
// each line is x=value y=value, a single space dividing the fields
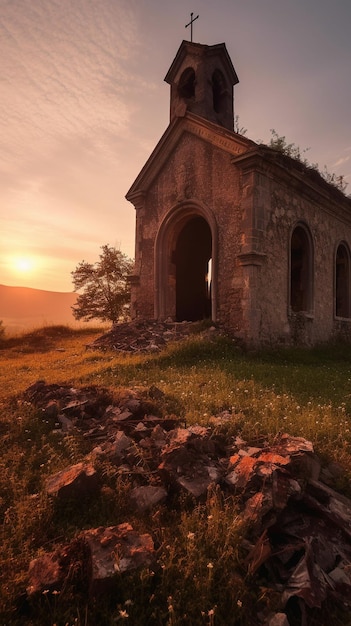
x=232 y=230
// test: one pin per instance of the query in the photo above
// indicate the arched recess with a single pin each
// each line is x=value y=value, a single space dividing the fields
x=342 y=281
x=218 y=91
x=186 y=85
x=301 y=269
x=185 y=254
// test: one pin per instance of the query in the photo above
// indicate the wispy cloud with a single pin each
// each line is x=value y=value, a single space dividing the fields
x=342 y=160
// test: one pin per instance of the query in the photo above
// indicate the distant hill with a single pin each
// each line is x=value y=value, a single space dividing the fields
x=23 y=307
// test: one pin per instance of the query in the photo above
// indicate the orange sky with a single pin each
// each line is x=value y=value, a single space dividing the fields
x=83 y=103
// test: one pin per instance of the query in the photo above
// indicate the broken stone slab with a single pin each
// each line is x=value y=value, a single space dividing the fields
x=195 y=438
x=51 y=410
x=66 y=423
x=307 y=581
x=243 y=472
x=73 y=482
x=117 y=549
x=155 y=393
x=120 y=443
x=190 y=460
x=75 y=407
x=251 y=466
x=198 y=484
x=289 y=445
x=92 y=560
x=115 y=448
x=67 y=565
x=333 y=506
x=122 y=416
x=146 y=497
x=132 y=405
x=112 y=412
x=44 y=573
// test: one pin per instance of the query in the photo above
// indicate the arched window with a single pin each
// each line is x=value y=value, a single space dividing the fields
x=301 y=270
x=186 y=86
x=218 y=89
x=342 y=281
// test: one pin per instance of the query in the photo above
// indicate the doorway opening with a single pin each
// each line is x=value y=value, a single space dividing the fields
x=193 y=264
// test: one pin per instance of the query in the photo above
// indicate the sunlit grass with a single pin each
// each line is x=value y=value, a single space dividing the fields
x=200 y=577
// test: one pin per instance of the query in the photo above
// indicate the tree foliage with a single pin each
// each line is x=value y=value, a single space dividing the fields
x=105 y=290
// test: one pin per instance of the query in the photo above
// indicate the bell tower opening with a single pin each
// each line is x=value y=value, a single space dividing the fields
x=186 y=87
x=192 y=256
x=218 y=90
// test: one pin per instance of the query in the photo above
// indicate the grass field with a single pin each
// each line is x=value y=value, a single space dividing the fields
x=199 y=581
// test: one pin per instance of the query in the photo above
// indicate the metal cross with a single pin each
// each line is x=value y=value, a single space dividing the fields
x=191 y=25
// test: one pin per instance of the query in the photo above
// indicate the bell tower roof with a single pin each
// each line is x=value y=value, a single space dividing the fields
x=202 y=80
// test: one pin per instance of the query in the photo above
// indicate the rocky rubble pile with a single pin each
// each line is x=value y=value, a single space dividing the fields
x=298 y=539
x=147 y=335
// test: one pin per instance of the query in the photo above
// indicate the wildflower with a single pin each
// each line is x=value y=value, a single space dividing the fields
x=239 y=603
x=129 y=602
x=190 y=536
x=211 y=612
x=123 y=614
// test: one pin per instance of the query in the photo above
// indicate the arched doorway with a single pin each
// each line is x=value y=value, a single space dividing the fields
x=192 y=256
x=186 y=264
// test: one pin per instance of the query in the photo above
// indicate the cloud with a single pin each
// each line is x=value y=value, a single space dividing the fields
x=62 y=73
x=341 y=161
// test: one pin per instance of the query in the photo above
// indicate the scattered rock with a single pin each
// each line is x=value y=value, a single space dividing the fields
x=44 y=573
x=73 y=482
x=117 y=549
x=146 y=497
x=148 y=335
x=299 y=528
x=91 y=560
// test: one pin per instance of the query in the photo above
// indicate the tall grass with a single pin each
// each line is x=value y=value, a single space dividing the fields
x=200 y=577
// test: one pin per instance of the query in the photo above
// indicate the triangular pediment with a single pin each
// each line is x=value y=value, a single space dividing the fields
x=219 y=137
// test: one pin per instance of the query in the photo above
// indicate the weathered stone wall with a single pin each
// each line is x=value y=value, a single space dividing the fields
x=285 y=205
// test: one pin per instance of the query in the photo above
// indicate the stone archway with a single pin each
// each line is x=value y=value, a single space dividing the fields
x=186 y=264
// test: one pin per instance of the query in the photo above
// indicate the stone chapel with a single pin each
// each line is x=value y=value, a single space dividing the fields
x=232 y=230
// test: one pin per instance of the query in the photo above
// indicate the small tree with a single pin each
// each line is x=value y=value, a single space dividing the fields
x=105 y=288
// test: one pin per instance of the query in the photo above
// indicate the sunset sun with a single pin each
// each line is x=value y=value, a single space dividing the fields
x=23 y=265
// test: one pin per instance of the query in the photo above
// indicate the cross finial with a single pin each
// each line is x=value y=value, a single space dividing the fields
x=191 y=25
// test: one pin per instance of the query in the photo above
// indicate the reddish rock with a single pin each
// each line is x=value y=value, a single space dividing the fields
x=73 y=482
x=117 y=549
x=44 y=573
x=91 y=561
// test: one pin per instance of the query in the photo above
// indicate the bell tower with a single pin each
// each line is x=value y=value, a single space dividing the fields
x=202 y=80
